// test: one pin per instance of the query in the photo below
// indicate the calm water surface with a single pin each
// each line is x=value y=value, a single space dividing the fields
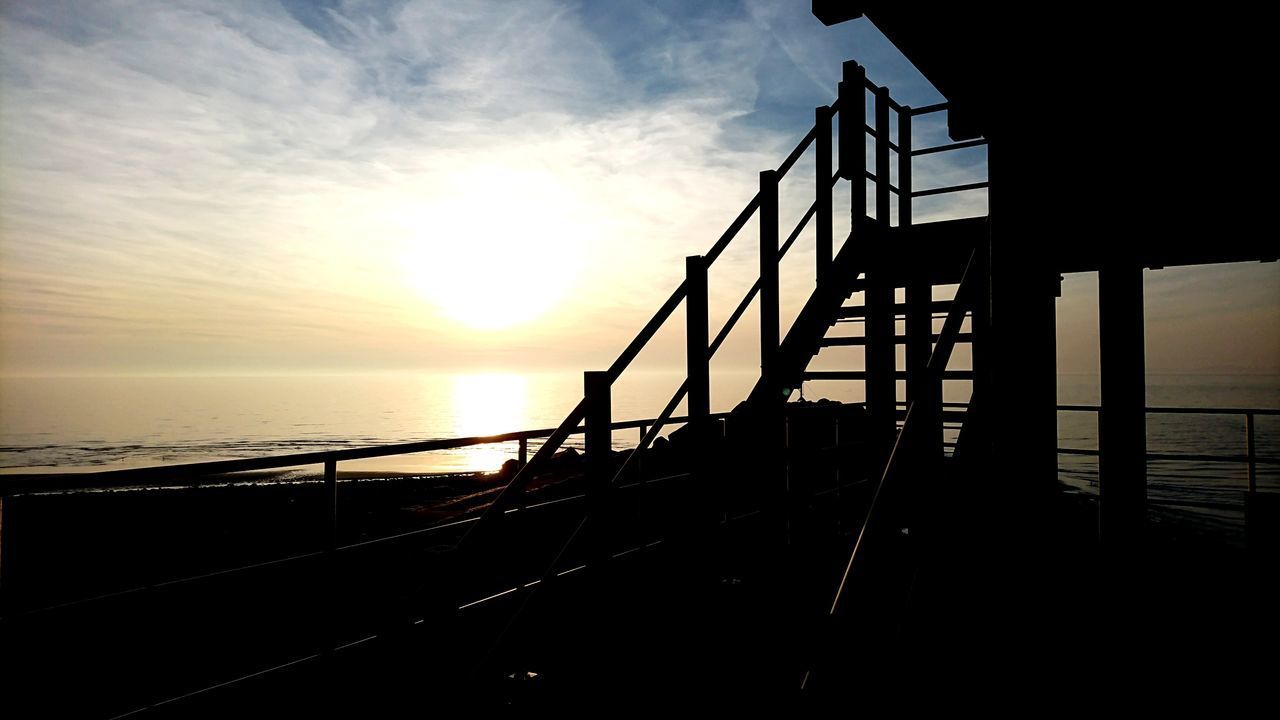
x=69 y=424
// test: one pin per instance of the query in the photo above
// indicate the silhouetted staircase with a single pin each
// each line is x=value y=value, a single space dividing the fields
x=702 y=568
x=733 y=600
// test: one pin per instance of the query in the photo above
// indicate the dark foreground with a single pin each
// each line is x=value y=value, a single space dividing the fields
x=708 y=598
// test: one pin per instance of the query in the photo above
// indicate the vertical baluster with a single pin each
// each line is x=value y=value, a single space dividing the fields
x=597 y=435
x=329 y=630
x=4 y=586
x=696 y=361
x=880 y=349
x=598 y=439
x=919 y=323
x=768 y=275
x=1251 y=453
x=331 y=505
x=883 y=171
x=771 y=414
x=822 y=189
x=702 y=496
x=1122 y=433
x=853 y=139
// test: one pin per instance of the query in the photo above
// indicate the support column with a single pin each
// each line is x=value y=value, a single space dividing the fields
x=769 y=276
x=881 y=344
x=1018 y=357
x=852 y=148
x=598 y=442
x=772 y=427
x=598 y=436
x=1122 y=427
x=822 y=190
x=696 y=361
x=919 y=291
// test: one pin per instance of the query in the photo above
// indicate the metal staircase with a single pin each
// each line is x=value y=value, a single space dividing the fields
x=702 y=567
x=747 y=509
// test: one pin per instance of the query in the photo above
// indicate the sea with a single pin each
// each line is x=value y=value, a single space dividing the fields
x=78 y=424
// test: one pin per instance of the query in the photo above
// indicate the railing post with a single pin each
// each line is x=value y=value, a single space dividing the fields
x=932 y=445
x=331 y=504
x=980 y=324
x=597 y=436
x=329 y=640
x=919 y=291
x=702 y=498
x=883 y=202
x=822 y=189
x=4 y=586
x=598 y=439
x=853 y=138
x=1251 y=453
x=772 y=430
x=1122 y=429
x=522 y=458
x=904 y=167
x=696 y=361
x=881 y=345
x=768 y=276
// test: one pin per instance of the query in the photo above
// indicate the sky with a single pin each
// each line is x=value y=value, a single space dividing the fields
x=256 y=187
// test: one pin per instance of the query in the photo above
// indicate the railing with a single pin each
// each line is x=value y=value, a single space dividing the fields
x=327 y=553
x=850 y=110
x=922 y=435
x=592 y=415
x=205 y=474
x=1250 y=459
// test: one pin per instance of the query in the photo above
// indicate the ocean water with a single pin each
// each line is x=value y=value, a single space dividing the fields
x=69 y=424
x=61 y=424
x=1208 y=486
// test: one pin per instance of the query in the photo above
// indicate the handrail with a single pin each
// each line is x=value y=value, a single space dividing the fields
x=764 y=201
x=941 y=354
x=1250 y=459
x=1181 y=410
x=927 y=109
x=951 y=189
x=755 y=287
x=521 y=479
x=1261 y=459
x=948 y=147
x=797 y=152
x=651 y=434
x=727 y=236
x=936 y=365
x=164 y=476
x=757 y=203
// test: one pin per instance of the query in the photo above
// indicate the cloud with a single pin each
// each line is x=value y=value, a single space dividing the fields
x=242 y=184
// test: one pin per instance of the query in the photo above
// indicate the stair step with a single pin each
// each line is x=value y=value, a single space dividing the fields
x=862 y=375
x=900 y=339
x=860 y=311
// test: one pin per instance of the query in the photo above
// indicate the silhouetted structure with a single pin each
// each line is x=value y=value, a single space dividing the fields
x=817 y=553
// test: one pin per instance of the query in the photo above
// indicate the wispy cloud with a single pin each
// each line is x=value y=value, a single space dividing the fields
x=245 y=184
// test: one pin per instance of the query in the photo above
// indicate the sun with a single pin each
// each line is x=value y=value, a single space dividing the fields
x=498 y=248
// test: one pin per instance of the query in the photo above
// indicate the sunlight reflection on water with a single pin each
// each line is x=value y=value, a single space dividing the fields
x=487 y=405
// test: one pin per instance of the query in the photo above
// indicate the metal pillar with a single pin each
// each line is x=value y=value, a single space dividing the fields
x=919 y=291
x=769 y=277
x=598 y=441
x=822 y=189
x=881 y=340
x=696 y=361
x=1122 y=429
